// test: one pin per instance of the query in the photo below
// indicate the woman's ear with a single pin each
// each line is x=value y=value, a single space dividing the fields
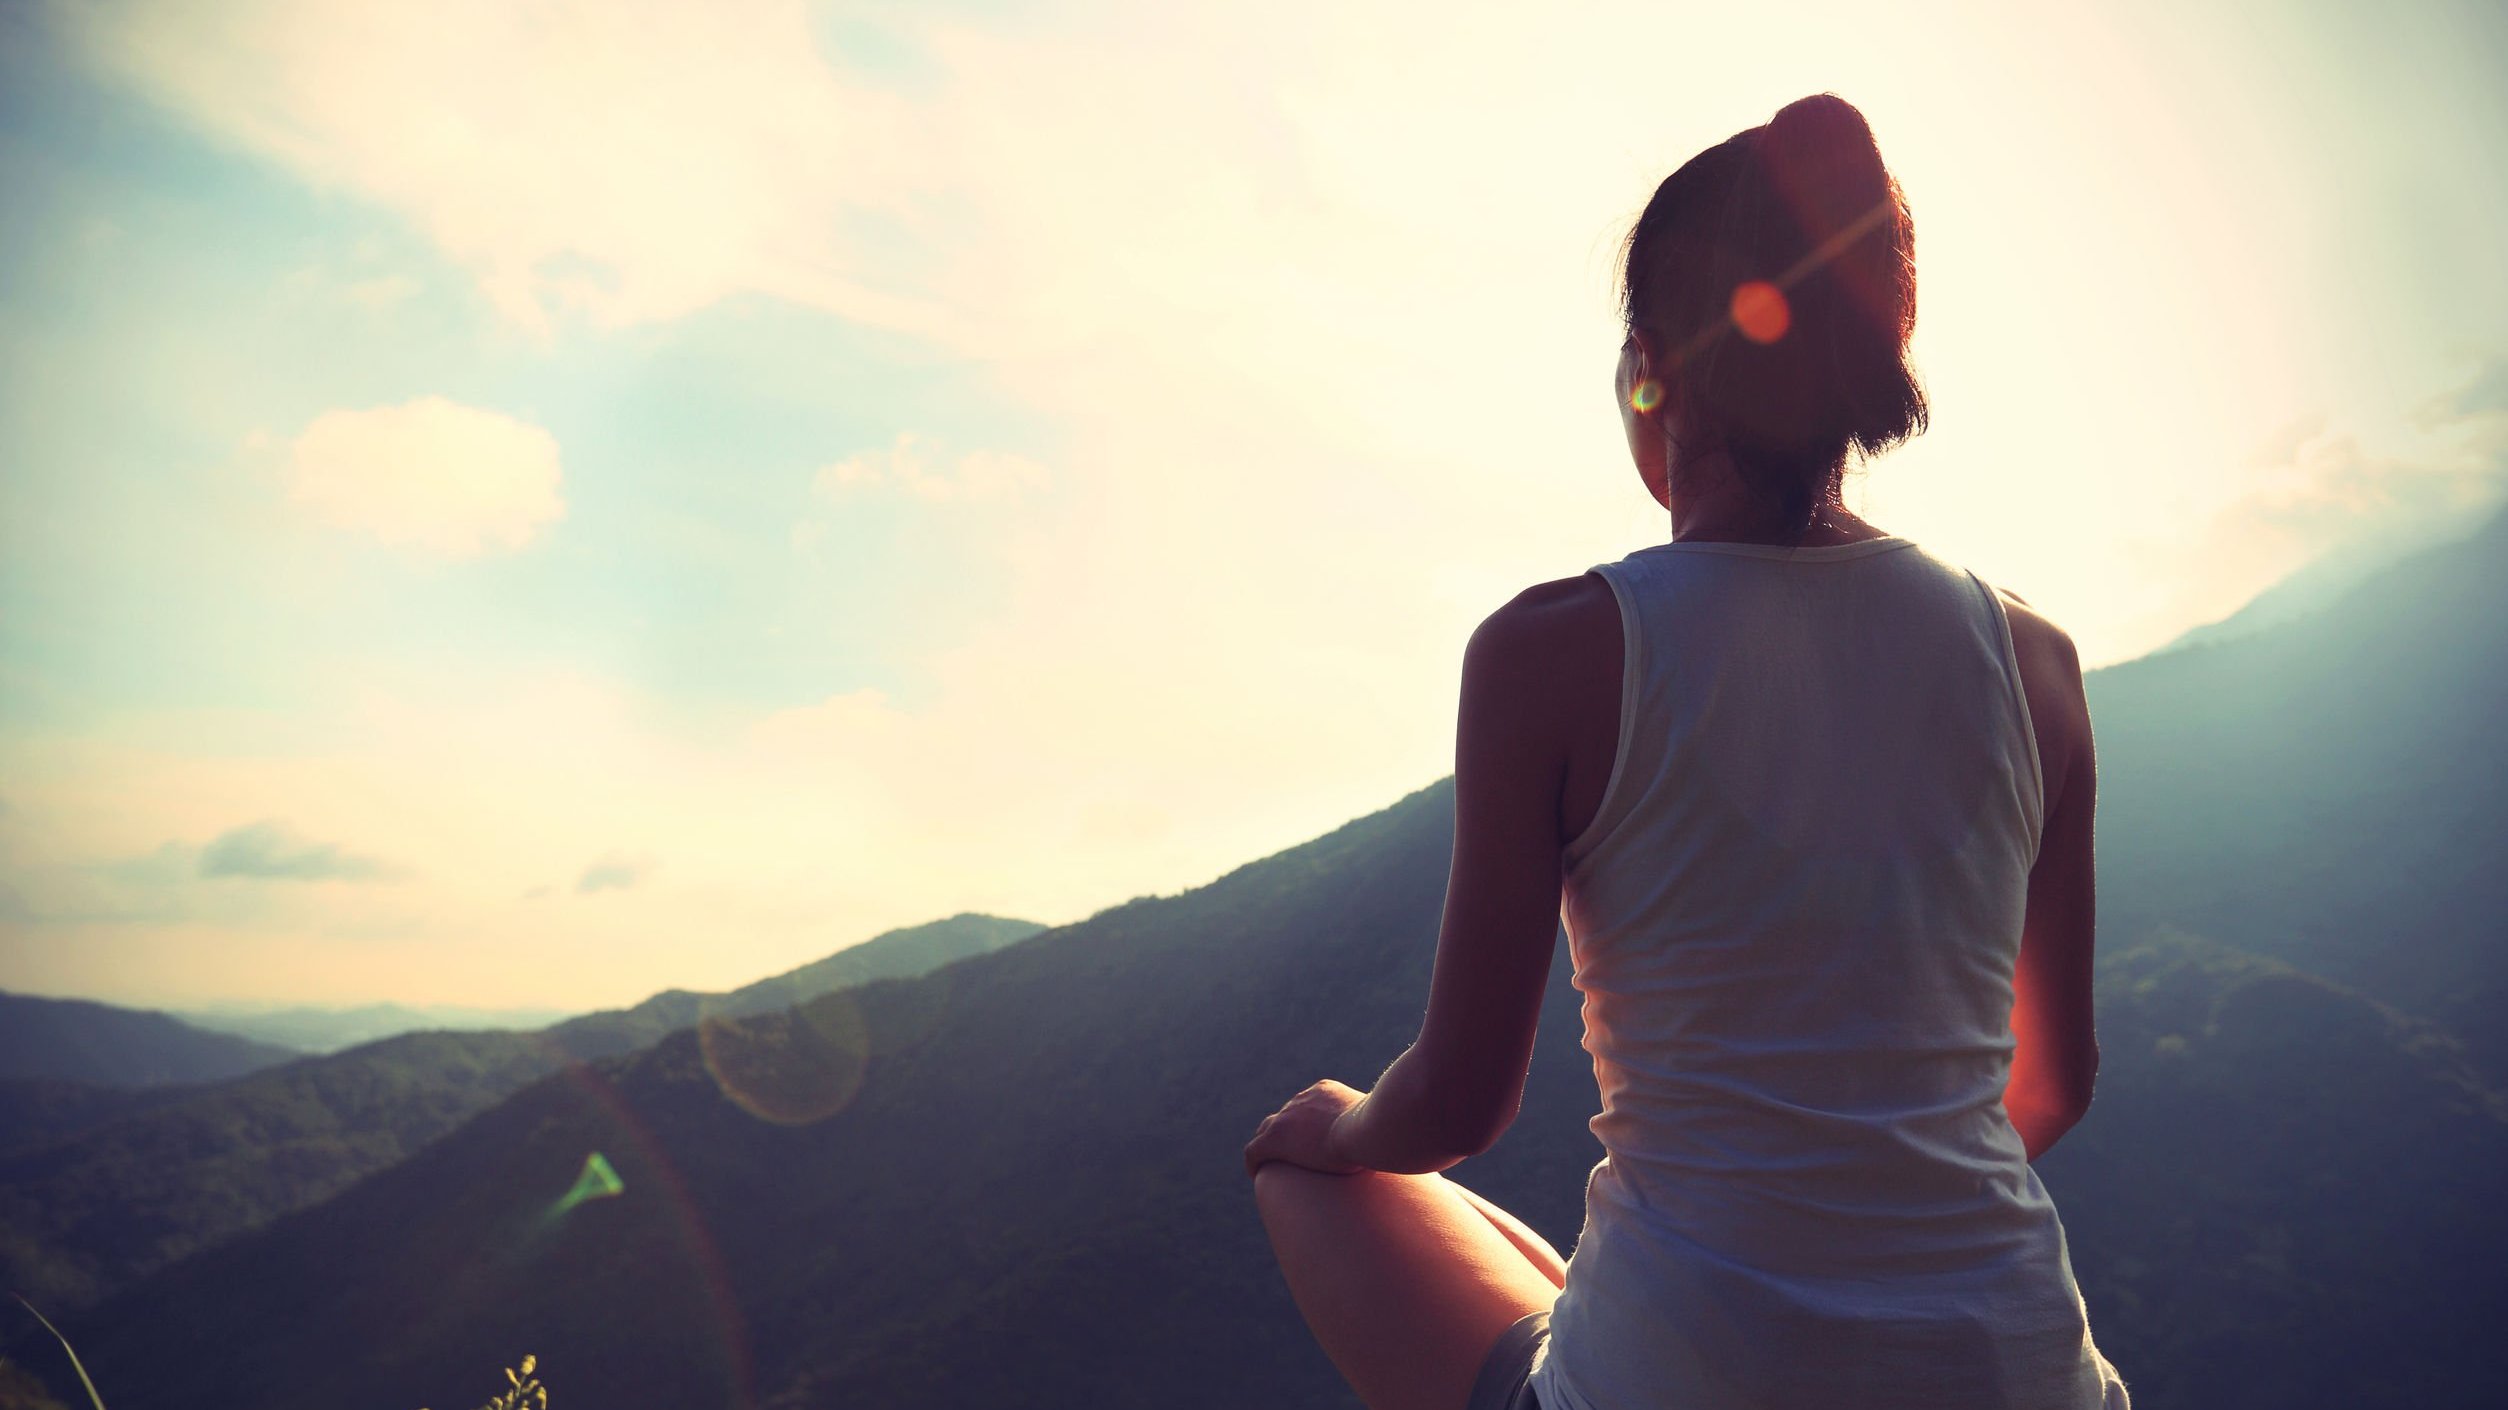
x=1645 y=387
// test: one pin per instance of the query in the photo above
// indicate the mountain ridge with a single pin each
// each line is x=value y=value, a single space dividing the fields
x=2284 y=1193
x=1101 y=1218
x=2332 y=792
x=97 y=1189
x=81 y=1040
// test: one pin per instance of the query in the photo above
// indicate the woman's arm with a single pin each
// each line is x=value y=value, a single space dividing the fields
x=1459 y=1085
x=2055 y=1059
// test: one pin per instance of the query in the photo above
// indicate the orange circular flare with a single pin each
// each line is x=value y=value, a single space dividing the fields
x=791 y=1068
x=1759 y=311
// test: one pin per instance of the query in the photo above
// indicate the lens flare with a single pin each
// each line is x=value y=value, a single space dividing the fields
x=791 y=1068
x=1759 y=311
x=1646 y=396
x=692 y=1263
x=598 y=1181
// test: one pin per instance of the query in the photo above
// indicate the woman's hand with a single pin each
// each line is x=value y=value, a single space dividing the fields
x=1298 y=1132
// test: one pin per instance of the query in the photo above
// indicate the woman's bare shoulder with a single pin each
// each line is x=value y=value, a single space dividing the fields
x=1585 y=598
x=1557 y=624
x=2050 y=676
x=2037 y=638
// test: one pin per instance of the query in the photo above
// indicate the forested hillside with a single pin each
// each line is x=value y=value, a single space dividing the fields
x=98 y=1187
x=75 y=1040
x=988 y=1185
x=2281 y=1185
x=2332 y=791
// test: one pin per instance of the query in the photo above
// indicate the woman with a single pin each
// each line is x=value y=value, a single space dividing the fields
x=1815 y=808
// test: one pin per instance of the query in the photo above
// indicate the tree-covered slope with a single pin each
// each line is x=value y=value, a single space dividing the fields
x=2286 y=1193
x=2332 y=791
x=893 y=954
x=1029 y=1176
x=1014 y=1181
x=86 y=1214
x=99 y=1188
x=74 y=1040
x=36 y=1110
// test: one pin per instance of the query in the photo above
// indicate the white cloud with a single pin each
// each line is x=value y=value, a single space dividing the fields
x=910 y=467
x=431 y=473
x=271 y=850
x=1316 y=302
x=2320 y=489
x=2332 y=491
x=629 y=160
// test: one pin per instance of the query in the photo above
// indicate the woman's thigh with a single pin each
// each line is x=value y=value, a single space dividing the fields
x=1403 y=1281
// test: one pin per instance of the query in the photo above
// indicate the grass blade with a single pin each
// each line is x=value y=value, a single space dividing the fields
x=92 y=1398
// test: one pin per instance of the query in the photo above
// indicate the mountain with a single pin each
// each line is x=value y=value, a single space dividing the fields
x=38 y=1110
x=79 y=1041
x=2312 y=588
x=314 y=1029
x=896 y=954
x=88 y=1213
x=995 y=1119
x=1022 y=1172
x=98 y=1188
x=2285 y=1194
x=2332 y=792
x=1014 y=1180
x=906 y=951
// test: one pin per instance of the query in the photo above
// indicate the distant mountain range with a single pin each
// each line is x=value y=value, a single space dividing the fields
x=310 y=1028
x=1013 y=1180
x=2318 y=585
x=2332 y=792
x=896 y=954
x=98 y=1187
x=73 y=1040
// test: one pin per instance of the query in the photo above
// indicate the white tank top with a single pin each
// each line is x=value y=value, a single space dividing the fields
x=1794 y=922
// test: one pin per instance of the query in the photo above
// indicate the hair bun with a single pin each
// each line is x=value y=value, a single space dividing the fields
x=1819 y=155
x=1800 y=215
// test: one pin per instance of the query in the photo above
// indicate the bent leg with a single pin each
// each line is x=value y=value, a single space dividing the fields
x=1532 y=1245
x=1403 y=1279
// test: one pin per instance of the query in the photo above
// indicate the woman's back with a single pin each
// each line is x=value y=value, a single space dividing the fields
x=1795 y=920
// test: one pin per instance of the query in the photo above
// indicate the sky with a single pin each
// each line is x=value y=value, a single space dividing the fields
x=540 y=503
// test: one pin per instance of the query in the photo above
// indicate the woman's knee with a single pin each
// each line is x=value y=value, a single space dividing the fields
x=1360 y=1198
x=1277 y=1182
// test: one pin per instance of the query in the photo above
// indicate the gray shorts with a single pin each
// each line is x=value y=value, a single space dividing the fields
x=1505 y=1381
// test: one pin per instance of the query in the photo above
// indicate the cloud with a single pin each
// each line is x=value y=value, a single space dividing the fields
x=2284 y=444
x=164 y=885
x=430 y=473
x=627 y=160
x=2333 y=491
x=170 y=864
x=267 y=850
x=2483 y=394
x=2320 y=489
x=616 y=871
x=910 y=467
x=1314 y=310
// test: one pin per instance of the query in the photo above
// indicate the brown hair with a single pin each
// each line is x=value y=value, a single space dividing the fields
x=1788 y=382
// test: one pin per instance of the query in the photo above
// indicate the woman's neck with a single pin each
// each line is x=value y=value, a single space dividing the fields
x=1831 y=523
